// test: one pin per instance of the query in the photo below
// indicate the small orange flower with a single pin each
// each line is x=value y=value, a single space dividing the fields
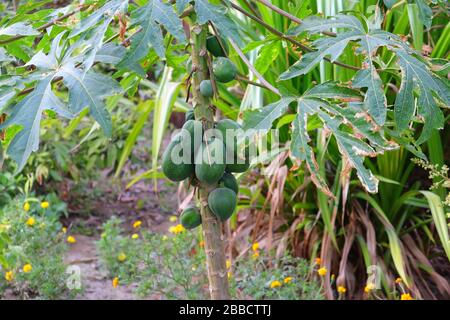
x=398 y=280
x=9 y=276
x=255 y=255
x=287 y=280
x=342 y=289
x=115 y=282
x=201 y=244
x=406 y=296
x=322 y=271
x=369 y=287
x=318 y=261
x=275 y=284
x=27 y=268
x=31 y=222
x=122 y=257
x=137 y=224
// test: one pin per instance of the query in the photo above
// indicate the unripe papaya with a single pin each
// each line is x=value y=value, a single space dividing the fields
x=232 y=127
x=172 y=167
x=206 y=88
x=210 y=161
x=222 y=202
x=189 y=115
x=224 y=70
x=213 y=46
x=191 y=218
x=194 y=129
x=240 y=163
x=229 y=181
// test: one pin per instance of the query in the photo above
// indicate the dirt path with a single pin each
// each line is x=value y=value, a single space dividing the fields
x=96 y=284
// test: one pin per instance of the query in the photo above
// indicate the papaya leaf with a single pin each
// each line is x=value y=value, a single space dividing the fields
x=18 y=29
x=217 y=15
x=375 y=100
x=150 y=18
x=416 y=74
x=89 y=90
x=181 y=5
x=301 y=149
x=425 y=13
x=108 y=10
x=28 y=114
x=350 y=126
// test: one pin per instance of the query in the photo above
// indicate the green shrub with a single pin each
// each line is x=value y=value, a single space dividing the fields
x=173 y=267
x=32 y=248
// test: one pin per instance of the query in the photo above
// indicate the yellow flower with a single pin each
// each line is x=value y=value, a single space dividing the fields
x=137 y=224
x=228 y=263
x=332 y=277
x=255 y=255
x=342 y=289
x=287 y=279
x=318 y=261
x=176 y=229
x=121 y=257
x=115 y=282
x=27 y=268
x=398 y=280
x=9 y=276
x=45 y=204
x=173 y=219
x=71 y=239
x=275 y=284
x=406 y=296
x=31 y=221
x=134 y=236
x=255 y=246
x=229 y=274
x=26 y=206
x=369 y=287
x=201 y=244
x=64 y=229
x=322 y=271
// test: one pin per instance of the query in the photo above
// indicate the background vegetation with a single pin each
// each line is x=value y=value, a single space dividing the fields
x=377 y=213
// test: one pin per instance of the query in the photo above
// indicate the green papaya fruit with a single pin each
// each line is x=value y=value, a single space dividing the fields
x=206 y=88
x=239 y=163
x=194 y=129
x=222 y=202
x=210 y=161
x=189 y=115
x=191 y=218
x=173 y=170
x=213 y=46
x=232 y=127
x=224 y=70
x=229 y=181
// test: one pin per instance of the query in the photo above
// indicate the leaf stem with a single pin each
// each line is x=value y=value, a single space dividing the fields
x=291 y=40
x=48 y=24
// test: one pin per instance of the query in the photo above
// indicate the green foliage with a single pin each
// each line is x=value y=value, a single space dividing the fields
x=173 y=267
x=33 y=237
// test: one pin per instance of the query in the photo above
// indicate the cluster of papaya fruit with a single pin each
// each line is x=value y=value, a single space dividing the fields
x=215 y=157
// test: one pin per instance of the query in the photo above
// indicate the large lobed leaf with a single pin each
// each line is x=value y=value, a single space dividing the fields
x=349 y=126
x=150 y=18
x=416 y=74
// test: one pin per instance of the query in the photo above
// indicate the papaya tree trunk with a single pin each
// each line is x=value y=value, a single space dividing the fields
x=212 y=227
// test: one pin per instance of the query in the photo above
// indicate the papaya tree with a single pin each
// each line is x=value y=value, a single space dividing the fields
x=67 y=62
